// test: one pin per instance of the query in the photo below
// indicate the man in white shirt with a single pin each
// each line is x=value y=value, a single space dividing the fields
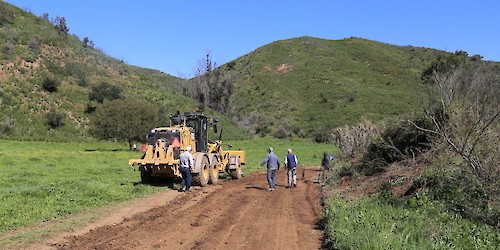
x=185 y=167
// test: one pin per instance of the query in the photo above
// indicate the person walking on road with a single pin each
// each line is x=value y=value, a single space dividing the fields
x=185 y=167
x=291 y=165
x=273 y=163
x=325 y=166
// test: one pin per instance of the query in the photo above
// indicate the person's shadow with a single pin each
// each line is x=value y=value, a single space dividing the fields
x=256 y=187
x=264 y=188
x=161 y=183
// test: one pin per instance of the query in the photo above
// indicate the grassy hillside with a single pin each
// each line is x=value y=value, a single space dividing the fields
x=305 y=85
x=301 y=87
x=34 y=50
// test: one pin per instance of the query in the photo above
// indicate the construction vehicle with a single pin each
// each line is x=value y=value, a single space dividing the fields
x=165 y=144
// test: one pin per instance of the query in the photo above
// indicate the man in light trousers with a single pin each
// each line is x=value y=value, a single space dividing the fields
x=291 y=163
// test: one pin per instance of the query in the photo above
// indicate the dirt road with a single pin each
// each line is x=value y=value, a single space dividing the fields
x=239 y=214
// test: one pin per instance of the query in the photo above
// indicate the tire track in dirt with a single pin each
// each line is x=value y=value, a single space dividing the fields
x=239 y=214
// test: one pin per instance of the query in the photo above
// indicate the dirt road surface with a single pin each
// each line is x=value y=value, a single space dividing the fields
x=236 y=214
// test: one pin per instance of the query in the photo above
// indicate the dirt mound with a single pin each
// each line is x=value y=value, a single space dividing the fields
x=397 y=177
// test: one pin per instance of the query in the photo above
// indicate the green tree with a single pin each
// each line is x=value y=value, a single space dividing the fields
x=124 y=119
x=45 y=16
x=85 y=42
x=62 y=27
x=212 y=86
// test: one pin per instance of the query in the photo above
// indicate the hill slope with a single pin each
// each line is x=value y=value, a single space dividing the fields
x=34 y=49
x=306 y=85
x=301 y=87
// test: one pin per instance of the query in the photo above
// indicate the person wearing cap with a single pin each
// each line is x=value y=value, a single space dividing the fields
x=291 y=165
x=273 y=163
x=185 y=167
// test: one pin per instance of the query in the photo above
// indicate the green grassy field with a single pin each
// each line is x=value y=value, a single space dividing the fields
x=41 y=181
x=417 y=223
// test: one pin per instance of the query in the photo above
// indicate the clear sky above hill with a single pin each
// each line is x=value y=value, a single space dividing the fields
x=173 y=36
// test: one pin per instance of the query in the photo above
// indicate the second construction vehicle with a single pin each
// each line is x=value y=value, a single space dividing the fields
x=165 y=144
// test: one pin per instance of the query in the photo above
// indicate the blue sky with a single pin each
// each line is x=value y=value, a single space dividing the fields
x=173 y=36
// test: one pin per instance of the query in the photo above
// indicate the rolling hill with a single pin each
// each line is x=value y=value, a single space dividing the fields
x=300 y=87
x=307 y=85
x=34 y=49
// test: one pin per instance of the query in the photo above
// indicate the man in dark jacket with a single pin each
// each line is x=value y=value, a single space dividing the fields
x=325 y=166
x=291 y=165
x=272 y=163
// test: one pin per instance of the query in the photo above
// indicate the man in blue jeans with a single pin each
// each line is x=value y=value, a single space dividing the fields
x=272 y=163
x=186 y=165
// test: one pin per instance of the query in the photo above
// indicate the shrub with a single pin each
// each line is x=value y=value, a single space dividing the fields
x=80 y=71
x=281 y=133
x=324 y=134
x=6 y=125
x=55 y=119
x=7 y=49
x=465 y=118
x=50 y=84
x=34 y=44
x=321 y=137
x=353 y=140
x=105 y=91
x=464 y=192
x=397 y=142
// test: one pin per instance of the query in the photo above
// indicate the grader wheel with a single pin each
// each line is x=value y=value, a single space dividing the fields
x=214 y=170
x=146 y=177
x=201 y=179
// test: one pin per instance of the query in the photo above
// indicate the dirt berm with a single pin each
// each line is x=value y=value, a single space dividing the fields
x=237 y=214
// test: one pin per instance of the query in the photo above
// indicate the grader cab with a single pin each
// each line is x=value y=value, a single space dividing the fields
x=165 y=144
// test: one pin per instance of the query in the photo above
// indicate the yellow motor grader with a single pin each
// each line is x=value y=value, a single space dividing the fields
x=165 y=144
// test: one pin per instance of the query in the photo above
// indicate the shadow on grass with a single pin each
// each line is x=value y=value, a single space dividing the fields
x=326 y=241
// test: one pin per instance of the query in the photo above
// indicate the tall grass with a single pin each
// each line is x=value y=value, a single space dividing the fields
x=418 y=223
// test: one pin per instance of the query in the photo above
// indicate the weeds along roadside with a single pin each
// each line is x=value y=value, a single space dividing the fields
x=439 y=211
x=415 y=223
